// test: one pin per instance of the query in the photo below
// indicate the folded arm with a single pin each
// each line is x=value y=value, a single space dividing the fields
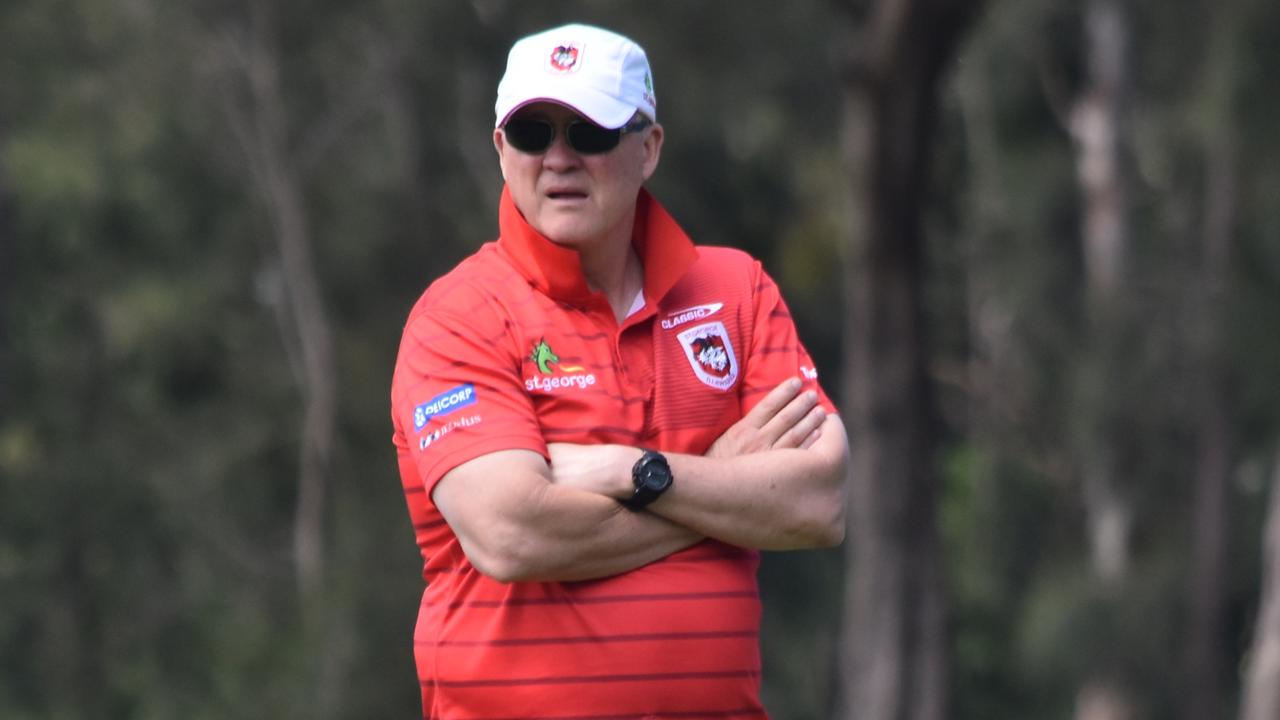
x=777 y=499
x=514 y=524
x=774 y=481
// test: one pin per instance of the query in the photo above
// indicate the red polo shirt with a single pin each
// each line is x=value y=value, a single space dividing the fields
x=511 y=349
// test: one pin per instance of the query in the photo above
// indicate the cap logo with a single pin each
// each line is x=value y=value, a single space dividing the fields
x=564 y=58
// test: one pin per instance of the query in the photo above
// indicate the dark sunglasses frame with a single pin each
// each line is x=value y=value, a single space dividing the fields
x=533 y=136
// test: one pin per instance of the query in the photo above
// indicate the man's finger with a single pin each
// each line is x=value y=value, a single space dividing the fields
x=813 y=438
x=799 y=431
x=787 y=418
x=773 y=403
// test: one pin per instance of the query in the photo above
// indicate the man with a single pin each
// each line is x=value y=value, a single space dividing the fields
x=598 y=425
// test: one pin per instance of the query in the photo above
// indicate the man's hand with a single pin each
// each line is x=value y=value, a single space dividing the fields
x=773 y=481
x=785 y=418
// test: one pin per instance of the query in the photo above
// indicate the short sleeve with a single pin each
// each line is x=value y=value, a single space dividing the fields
x=776 y=352
x=457 y=393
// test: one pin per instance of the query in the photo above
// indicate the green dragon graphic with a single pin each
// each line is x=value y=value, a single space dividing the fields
x=543 y=355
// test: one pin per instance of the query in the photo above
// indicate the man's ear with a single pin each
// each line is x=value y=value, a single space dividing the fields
x=499 y=144
x=652 y=149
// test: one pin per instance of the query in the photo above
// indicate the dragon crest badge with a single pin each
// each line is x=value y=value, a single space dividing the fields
x=710 y=354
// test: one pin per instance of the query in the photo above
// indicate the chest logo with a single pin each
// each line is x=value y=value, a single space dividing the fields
x=561 y=375
x=697 y=312
x=544 y=357
x=710 y=354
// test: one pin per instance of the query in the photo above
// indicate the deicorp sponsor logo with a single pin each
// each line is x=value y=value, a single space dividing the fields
x=544 y=357
x=443 y=404
x=697 y=312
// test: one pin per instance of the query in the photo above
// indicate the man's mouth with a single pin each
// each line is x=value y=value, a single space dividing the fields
x=566 y=195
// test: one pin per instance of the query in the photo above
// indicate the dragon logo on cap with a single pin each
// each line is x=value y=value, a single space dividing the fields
x=564 y=58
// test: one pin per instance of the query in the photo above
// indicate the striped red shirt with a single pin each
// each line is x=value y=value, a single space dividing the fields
x=510 y=350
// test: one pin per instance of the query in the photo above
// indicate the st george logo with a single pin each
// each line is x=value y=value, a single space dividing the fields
x=544 y=357
x=548 y=363
x=710 y=354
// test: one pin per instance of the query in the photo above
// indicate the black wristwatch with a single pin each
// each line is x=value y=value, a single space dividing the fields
x=651 y=476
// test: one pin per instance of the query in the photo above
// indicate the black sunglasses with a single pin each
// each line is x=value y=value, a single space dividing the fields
x=534 y=136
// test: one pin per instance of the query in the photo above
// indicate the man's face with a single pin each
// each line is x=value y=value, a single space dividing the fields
x=578 y=200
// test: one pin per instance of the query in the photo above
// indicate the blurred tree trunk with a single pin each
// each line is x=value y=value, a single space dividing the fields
x=6 y=273
x=256 y=106
x=1097 y=125
x=995 y=373
x=894 y=646
x=282 y=192
x=261 y=126
x=1260 y=698
x=1204 y=654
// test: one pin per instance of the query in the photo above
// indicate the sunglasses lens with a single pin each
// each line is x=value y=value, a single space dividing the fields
x=535 y=136
x=529 y=136
x=590 y=139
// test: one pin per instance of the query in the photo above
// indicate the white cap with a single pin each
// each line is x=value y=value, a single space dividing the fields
x=602 y=75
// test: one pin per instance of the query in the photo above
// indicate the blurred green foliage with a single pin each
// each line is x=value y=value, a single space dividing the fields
x=149 y=409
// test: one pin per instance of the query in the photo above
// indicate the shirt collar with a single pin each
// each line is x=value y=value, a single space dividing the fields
x=662 y=245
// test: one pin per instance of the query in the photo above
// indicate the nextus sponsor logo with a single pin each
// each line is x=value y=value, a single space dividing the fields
x=443 y=404
x=697 y=312
x=434 y=436
x=547 y=384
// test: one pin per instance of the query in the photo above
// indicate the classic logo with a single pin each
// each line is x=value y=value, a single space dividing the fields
x=564 y=58
x=809 y=373
x=443 y=404
x=544 y=357
x=697 y=312
x=710 y=354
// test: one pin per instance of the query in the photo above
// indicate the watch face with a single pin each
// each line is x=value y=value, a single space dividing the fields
x=651 y=476
x=656 y=475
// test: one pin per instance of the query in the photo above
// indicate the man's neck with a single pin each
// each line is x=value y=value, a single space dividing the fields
x=614 y=269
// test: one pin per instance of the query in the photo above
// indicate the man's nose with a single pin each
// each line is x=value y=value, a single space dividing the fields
x=559 y=154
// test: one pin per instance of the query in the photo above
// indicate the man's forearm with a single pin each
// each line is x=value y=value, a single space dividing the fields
x=514 y=525
x=777 y=499
x=569 y=534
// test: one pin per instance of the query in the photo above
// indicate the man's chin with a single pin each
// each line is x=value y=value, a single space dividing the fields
x=567 y=235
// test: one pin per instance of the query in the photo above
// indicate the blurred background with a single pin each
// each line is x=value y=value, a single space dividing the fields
x=1033 y=246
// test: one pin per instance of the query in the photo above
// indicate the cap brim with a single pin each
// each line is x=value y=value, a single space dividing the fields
x=597 y=107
